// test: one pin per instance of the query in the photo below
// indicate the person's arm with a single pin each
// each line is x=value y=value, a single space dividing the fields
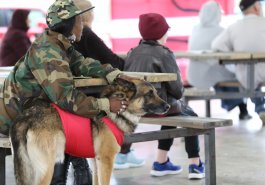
x=92 y=46
x=93 y=68
x=222 y=42
x=56 y=79
x=169 y=65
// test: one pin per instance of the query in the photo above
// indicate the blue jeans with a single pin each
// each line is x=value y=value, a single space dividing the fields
x=229 y=104
x=259 y=103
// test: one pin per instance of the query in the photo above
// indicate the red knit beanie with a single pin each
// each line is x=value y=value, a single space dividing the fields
x=152 y=26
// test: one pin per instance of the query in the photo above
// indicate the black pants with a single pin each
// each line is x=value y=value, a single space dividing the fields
x=82 y=173
x=192 y=146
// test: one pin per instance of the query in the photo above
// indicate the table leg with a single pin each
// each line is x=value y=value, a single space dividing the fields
x=208 y=108
x=210 y=158
x=3 y=153
x=250 y=77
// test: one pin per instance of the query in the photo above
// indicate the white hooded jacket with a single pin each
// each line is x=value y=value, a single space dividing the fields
x=205 y=74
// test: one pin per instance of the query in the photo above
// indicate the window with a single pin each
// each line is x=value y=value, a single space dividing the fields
x=35 y=17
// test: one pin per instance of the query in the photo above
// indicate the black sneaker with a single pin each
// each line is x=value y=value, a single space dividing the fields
x=244 y=116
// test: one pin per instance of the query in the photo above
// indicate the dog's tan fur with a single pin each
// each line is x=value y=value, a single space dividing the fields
x=38 y=139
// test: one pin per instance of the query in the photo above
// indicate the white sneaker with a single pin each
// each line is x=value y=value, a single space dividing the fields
x=129 y=160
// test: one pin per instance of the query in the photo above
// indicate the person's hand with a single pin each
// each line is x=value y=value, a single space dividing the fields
x=117 y=105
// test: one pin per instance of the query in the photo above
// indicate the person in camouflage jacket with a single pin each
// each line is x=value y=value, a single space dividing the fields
x=47 y=70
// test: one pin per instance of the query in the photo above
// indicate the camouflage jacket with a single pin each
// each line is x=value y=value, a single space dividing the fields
x=46 y=72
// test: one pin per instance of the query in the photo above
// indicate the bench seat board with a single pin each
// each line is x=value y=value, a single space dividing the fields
x=4 y=142
x=191 y=126
x=188 y=122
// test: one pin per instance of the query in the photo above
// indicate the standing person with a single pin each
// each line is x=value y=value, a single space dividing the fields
x=246 y=35
x=151 y=55
x=211 y=72
x=92 y=46
x=16 y=41
x=46 y=72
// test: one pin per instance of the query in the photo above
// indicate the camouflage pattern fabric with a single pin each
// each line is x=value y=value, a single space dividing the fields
x=61 y=10
x=46 y=72
x=5 y=120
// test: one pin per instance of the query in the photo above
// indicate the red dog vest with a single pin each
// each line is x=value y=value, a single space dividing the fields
x=78 y=133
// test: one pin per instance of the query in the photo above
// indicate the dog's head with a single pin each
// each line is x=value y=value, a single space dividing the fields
x=142 y=99
x=141 y=96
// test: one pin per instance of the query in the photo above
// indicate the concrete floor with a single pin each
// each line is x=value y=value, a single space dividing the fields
x=240 y=154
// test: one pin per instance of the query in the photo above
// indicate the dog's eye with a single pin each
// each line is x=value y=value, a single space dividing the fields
x=150 y=93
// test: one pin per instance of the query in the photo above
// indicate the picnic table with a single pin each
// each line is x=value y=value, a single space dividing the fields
x=247 y=58
x=82 y=81
x=191 y=126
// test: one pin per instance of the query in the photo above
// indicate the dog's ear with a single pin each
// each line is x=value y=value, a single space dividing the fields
x=127 y=86
x=120 y=86
x=125 y=83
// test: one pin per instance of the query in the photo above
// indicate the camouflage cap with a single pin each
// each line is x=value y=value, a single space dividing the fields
x=62 y=10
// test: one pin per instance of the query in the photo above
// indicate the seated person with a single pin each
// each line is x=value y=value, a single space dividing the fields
x=211 y=72
x=250 y=40
x=16 y=41
x=151 y=55
x=46 y=72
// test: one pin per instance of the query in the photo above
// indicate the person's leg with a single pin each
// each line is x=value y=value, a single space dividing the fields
x=161 y=156
x=162 y=166
x=82 y=173
x=163 y=147
x=259 y=106
x=126 y=158
x=126 y=148
x=259 y=103
x=243 y=112
x=230 y=104
x=196 y=166
x=60 y=172
x=192 y=147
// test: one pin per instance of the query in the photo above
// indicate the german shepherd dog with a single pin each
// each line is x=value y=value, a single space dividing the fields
x=38 y=140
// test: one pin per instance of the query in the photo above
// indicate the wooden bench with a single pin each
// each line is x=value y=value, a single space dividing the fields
x=190 y=126
x=192 y=93
x=246 y=58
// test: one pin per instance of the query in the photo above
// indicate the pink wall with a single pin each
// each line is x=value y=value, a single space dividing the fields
x=131 y=9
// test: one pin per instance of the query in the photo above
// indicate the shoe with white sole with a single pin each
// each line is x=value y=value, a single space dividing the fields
x=196 y=172
x=166 y=168
x=129 y=160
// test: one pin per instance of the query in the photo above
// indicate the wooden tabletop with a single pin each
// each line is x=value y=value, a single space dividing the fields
x=150 y=77
x=88 y=81
x=258 y=55
x=214 y=55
